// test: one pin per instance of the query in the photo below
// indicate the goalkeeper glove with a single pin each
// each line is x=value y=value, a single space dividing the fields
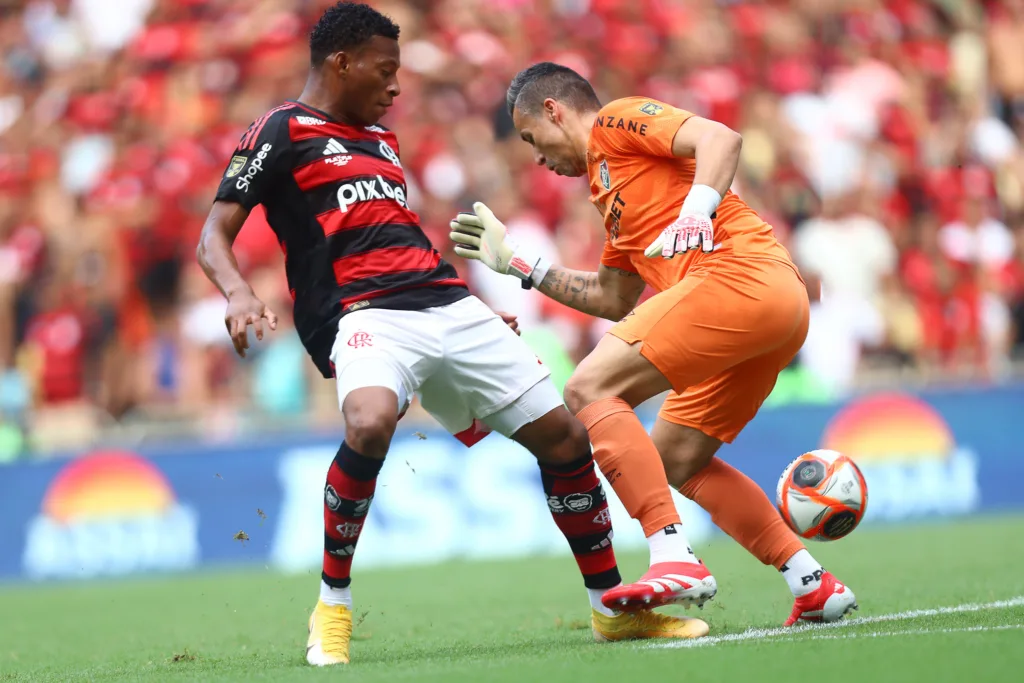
x=481 y=236
x=693 y=229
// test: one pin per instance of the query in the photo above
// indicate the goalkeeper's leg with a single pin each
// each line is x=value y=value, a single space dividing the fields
x=606 y=386
x=688 y=433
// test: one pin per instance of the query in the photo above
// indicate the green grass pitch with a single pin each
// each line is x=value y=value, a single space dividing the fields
x=525 y=620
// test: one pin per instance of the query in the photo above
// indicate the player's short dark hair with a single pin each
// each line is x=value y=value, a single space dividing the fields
x=533 y=85
x=345 y=26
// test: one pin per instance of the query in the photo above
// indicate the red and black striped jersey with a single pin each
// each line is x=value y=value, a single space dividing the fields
x=335 y=196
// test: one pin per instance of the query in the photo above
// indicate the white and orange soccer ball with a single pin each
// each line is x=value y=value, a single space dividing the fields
x=822 y=495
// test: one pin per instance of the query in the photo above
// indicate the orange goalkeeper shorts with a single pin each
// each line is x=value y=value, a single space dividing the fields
x=721 y=336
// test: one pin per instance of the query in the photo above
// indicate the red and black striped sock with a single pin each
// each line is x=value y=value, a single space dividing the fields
x=580 y=509
x=351 y=481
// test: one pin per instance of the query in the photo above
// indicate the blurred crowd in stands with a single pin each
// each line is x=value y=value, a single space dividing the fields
x=881 y=139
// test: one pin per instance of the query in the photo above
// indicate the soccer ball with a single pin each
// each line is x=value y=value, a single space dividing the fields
x=822 y=495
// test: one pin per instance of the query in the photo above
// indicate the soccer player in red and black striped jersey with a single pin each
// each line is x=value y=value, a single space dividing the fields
x=379 y=311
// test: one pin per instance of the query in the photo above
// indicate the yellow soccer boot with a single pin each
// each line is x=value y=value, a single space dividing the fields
x=330 y=632
x=644 y=625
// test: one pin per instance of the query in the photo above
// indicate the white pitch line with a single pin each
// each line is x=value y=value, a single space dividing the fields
x=765 y=633
x=912 y=632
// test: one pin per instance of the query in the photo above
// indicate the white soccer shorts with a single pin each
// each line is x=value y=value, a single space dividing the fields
x=471 y=372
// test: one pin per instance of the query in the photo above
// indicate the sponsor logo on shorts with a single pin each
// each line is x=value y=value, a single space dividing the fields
x=357 y=305
x=360 y=340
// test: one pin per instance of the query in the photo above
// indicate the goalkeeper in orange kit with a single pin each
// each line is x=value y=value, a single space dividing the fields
x=731 y=313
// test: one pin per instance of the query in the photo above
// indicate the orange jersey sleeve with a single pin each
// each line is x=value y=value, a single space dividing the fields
x=639 y=186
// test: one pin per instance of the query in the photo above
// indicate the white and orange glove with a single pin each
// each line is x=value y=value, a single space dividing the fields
x=693 y=229
x=482 y=237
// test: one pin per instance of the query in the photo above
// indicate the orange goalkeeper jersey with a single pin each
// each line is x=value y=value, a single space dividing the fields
x=639 y=187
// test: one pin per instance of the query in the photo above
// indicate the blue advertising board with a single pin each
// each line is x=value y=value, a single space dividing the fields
x=177 y=507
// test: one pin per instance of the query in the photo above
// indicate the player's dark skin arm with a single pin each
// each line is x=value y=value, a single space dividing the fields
x=609 y=293
x=214 y=254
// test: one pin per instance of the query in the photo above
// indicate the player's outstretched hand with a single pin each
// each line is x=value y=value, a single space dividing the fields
x=689 y=231
x=482 y=237
x=510 y=320
x=244 y=309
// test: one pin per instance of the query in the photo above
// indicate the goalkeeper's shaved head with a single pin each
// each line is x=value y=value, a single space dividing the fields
x=553 y=108
x=533 y=85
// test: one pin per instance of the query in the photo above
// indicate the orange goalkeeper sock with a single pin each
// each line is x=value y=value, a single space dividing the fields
x=741 y=509
x=630 y=462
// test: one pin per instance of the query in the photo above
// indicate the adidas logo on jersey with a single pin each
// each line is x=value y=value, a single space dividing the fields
x=369 y=190
x=334 y=147
x=309 y=121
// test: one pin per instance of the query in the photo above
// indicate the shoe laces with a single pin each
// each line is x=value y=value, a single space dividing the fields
x=335 y=633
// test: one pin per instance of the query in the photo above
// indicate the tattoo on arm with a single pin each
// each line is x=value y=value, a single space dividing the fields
x=580 y=287
x=570 y=287
x=584 y=291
